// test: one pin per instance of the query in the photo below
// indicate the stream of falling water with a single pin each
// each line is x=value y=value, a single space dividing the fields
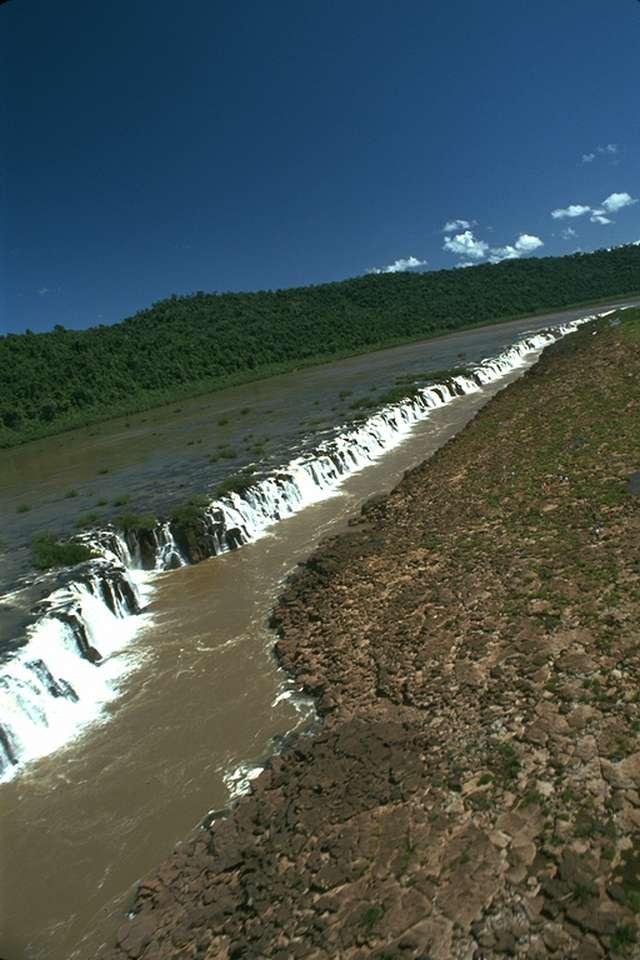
x=82 y=825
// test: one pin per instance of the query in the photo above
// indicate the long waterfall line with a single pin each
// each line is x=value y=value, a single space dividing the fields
x=75 y=652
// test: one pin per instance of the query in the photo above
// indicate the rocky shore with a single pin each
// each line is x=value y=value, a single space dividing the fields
x=473 y=790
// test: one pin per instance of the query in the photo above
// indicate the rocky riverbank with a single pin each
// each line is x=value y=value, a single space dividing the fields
x=474 y=790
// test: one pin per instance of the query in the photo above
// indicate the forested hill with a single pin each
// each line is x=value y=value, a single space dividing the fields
x=190 y=344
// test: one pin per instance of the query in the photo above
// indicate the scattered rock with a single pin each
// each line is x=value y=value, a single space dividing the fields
x=474 y=788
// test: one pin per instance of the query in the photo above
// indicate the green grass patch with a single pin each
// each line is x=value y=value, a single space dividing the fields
x=237 y=483
x=504 y=761
x=189 y=513
x=86 y=520
x=372 y=917
x=49 y=552
x=624 y=938
x=145 y=522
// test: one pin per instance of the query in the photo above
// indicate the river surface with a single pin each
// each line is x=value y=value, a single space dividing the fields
x=153 y=460
x=204 y=697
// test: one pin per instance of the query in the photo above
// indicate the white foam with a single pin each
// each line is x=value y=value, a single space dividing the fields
x=49 y=692
x=239 y=518
x=238 y=781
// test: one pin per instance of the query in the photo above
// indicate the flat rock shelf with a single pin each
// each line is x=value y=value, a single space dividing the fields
x=472 y=645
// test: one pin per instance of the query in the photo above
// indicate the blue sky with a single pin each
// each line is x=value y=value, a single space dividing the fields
x=152 y=148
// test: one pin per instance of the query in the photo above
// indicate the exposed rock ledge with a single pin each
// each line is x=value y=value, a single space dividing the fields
x=474 y=791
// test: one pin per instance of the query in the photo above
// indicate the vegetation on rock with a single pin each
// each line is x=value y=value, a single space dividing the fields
x=187 y=514
x=49 y=552
x=143 y=522
x=237 y=483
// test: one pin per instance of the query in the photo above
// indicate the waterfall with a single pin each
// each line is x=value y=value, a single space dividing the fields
x=58 y=678
x=168 y=556
x=240 y=518
x=72 y=658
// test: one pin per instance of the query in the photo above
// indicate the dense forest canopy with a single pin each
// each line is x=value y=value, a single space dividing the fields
x=190 y=344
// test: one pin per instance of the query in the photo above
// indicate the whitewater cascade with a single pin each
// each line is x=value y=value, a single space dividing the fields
x=58 y=678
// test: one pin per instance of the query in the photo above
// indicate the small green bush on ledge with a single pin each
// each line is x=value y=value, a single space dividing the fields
x=188 y=513
x=145 y=522
x=50 y=552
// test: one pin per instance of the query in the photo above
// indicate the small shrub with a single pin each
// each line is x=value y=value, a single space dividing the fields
x=186 y=514
x=87 y=520
x=397 y=394
x=505 y=761
x=448 y=373
x=371 y=917
x=624 y=937
x=49 y=552
x=583 y=892
x=121 y=501
x=364 y=403
x=24 y=507
x=237 y=483
x=137 y=521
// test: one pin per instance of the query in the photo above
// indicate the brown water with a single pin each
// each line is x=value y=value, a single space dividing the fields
x=81 y=826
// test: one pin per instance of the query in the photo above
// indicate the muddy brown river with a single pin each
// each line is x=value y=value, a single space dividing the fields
x=205 y=698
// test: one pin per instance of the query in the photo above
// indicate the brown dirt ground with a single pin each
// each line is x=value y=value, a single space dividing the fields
x=474 y=645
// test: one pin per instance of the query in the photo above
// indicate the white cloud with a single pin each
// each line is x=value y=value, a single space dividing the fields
x=609 y=150
x=616 y=201
x=613 y=203
x=472 y=249
x=466 y=245
x=567 y=233
x=452 y=225
x=597 y=216
x=508 y=252
x=526 y=243
x=400 y=265
x=573 y=210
